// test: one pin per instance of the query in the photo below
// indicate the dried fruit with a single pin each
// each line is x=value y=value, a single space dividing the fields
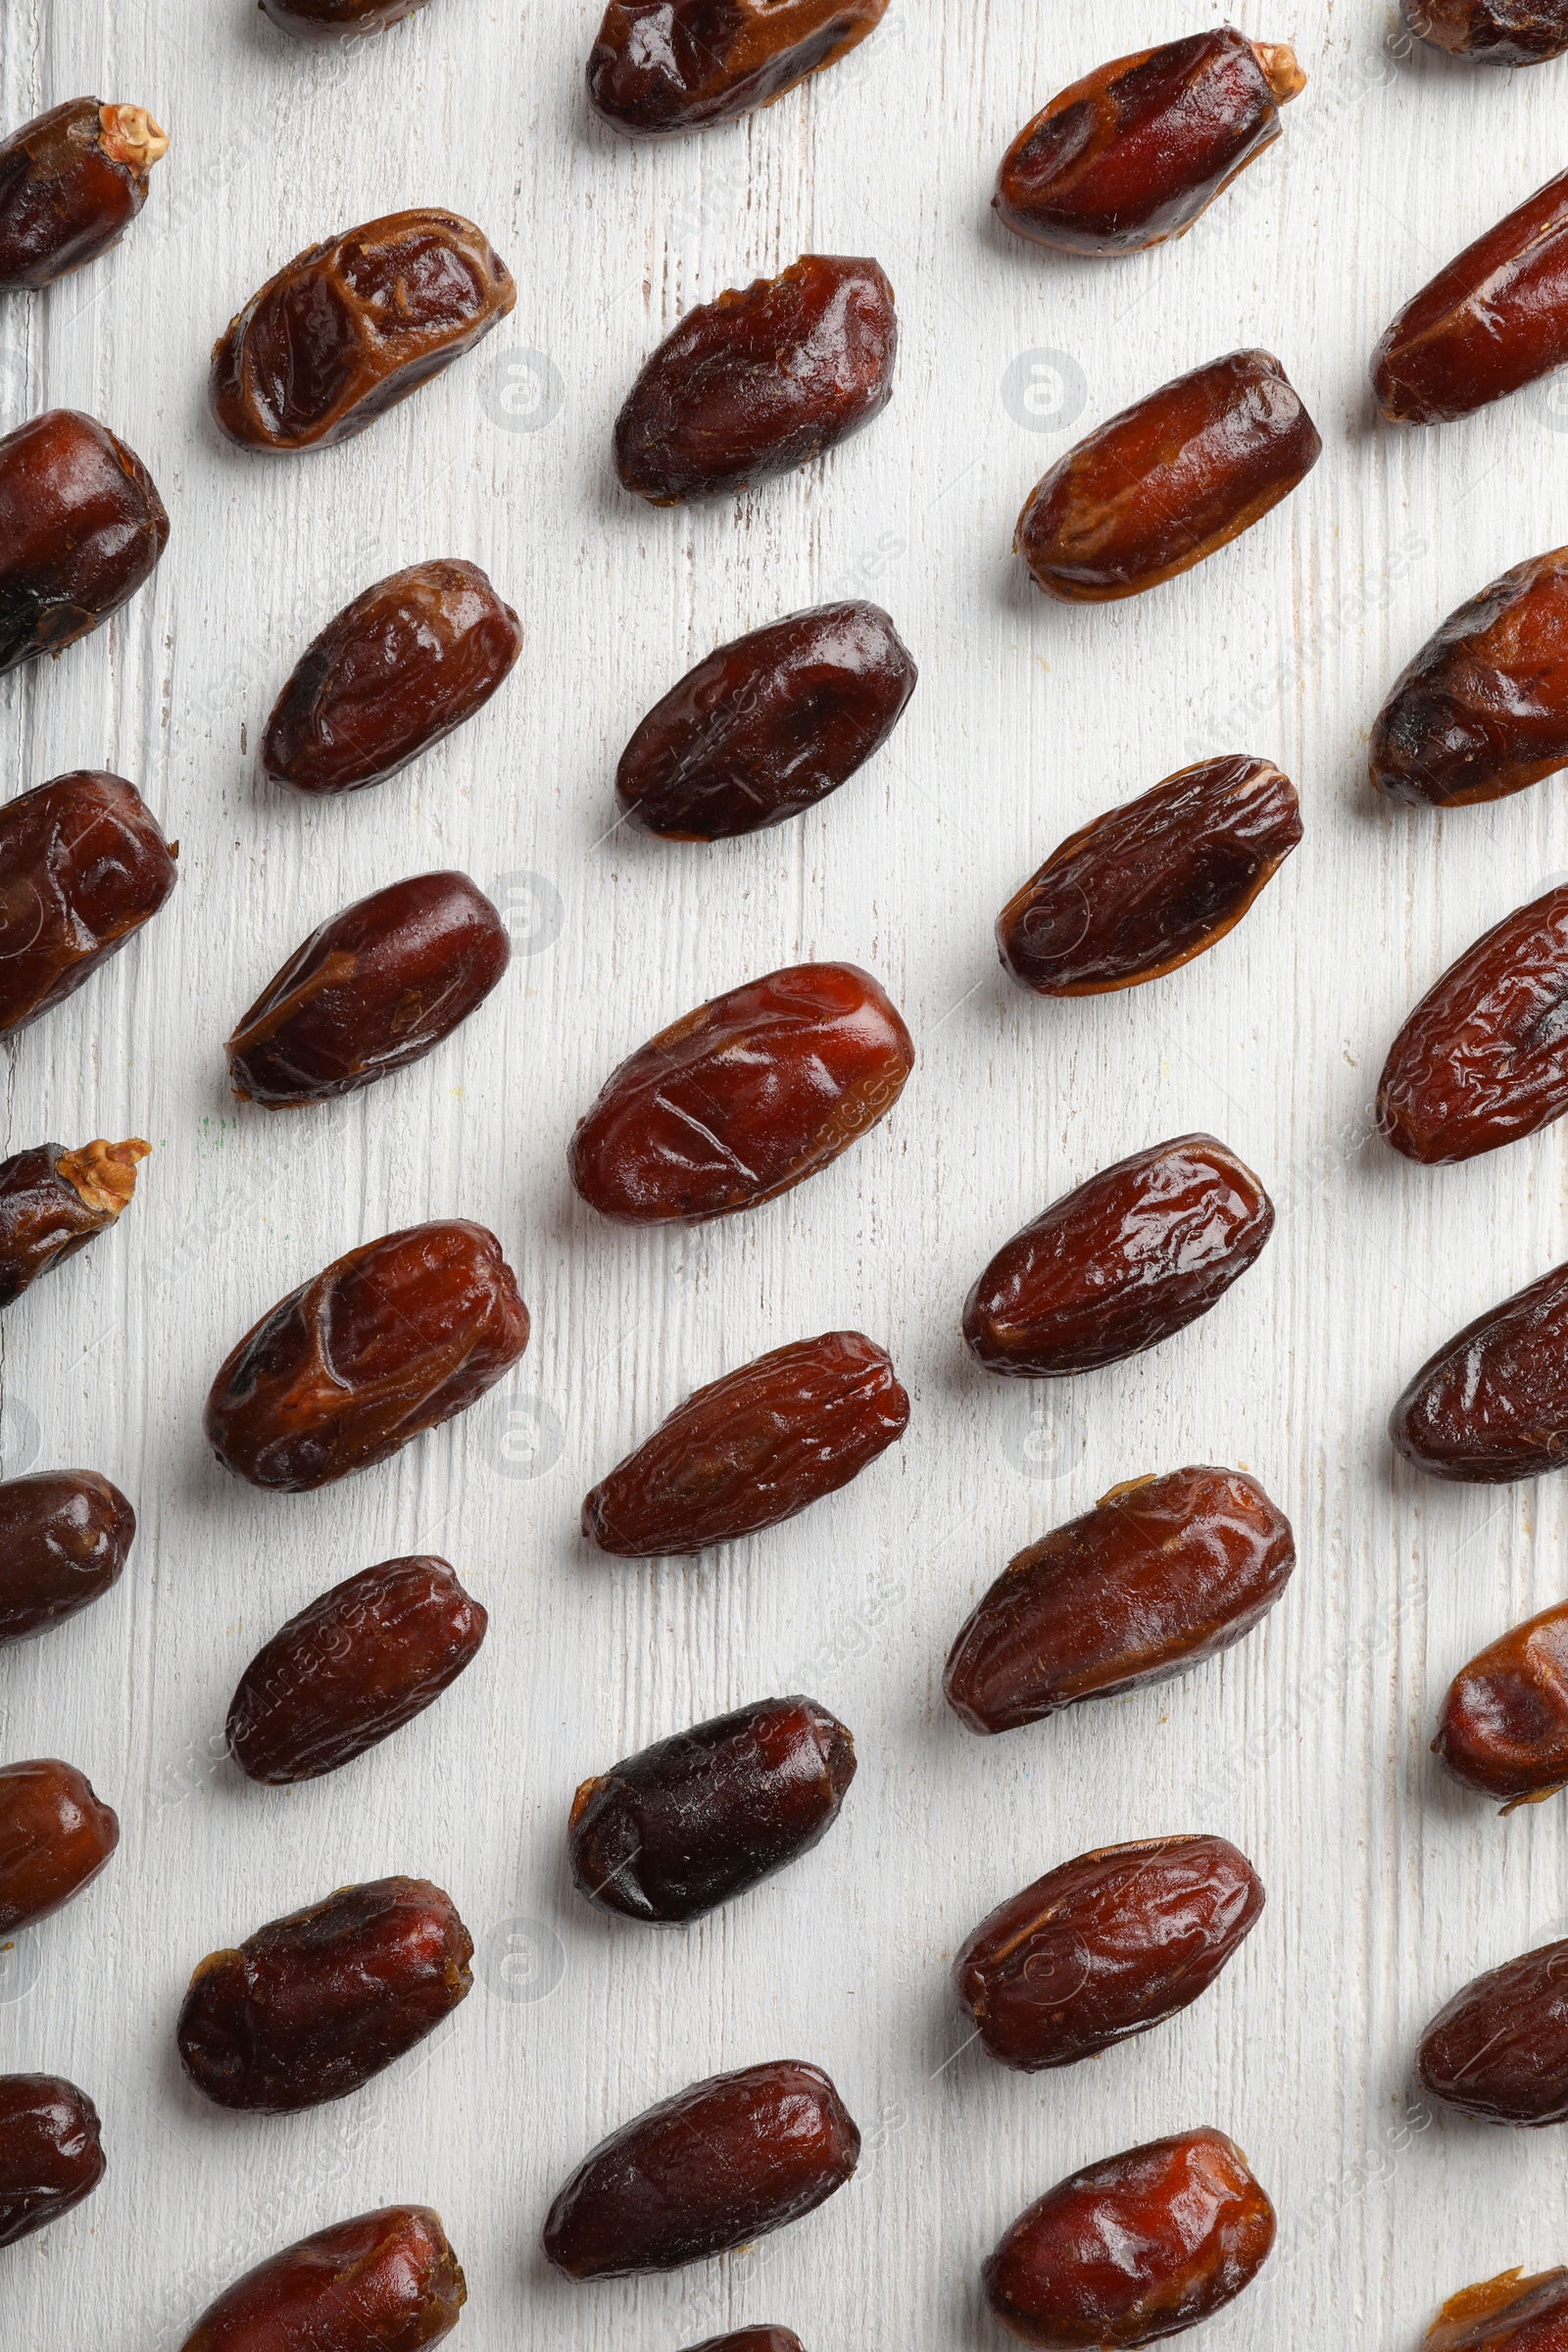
x=1492 y=1406
x=1508 y=2314
x=761 y=381
x=63 y=1537
x=72 y=181
x=55 y=1838
x=753 y=2339
x=1500 y=2049
x=54 y=1202
x=81 y=526
x=387 y=2279
x=1161 y=1574
x=1147 y=886
x=348 y=328
x=752 y=1448
x=337 y=20
x=662 y=66
x=1492 y=322
x=51 y=2155
x=84 y=864
x=1491 y=33
x=1504 y=1727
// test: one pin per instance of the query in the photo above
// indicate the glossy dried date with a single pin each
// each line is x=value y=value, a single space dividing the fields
x=72 y=181
x=1105 y=1947
x=388 y=2280
x=55 y=1838
x=51 y=2155
x=63 y=1539
x=761 y=381
x=661 y=66
x=1508 y=2314
x=54 y=1202
x=350 y=328
x=1134 y=152
x=1142 y=2246
x=1504 y=1727
x=768 y=725
x=1491 y=33
x=724 y=2160
x=1168 y=482
x=1492 y=1406
x=337 y=20
x=395 y=672
x=752 y=1448
x=81 y=526
x=753 y=2339
x=387 y=1342
x=1119 y=1263
x=1144 y=888
x=1161 y=1574
x=1491 y=323
x=84 y=864
x=743 y=1098
x=1500 y=2049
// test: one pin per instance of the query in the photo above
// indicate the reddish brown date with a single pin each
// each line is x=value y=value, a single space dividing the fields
x=1137 y=149
x=52 y=1203
x=1105 y=1947
x=388 y=2280
x=55 y=1838
x=313 y=2005
x=753 y=2339
x=51 y=2155
x=752 y=1448
x=84 y=864
x=1491 y=33
x=72 y=181
x=1161 y=1574
x=695 y=1820
x=1492 y=1406
x=397 y=671
x=337 y=20
x=63 y=1539
x=1504 y=1727
x=761 y=381
x=743 y=1098
x=82 y=527
x=661 y=66
x=1146 y=887
x=1142 y=2246
x=1491 y=323
x=352 y=1668
x=350 y=328
x=724 y=2160
x=387 y=1342
x=1500 y=2049
x=767 y=726
x=1508 y=2314
x=1120 y=1263
x=1168 y=482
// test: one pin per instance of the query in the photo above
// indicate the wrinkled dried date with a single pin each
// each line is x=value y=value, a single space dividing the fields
x=1134 y=152
x=1105 y=1947
x=393 y=674
x=768 y=725
x=1491 y=33
x=1151 y=884
x=1491 y=323
x=337 y=20
x=1142 y=2246
x=1161 y=1574
x=743 y=1098
x=723 y=2162
x=387 y=1342
x=51 y=2155
x=1507 y=2314
x=54 y=1202
x=1504 y=1727
x=1500 y=2049
x=72 y=181
x=1492 y=1406
x=1168 y=482
x=84 y=864
x=753 y=2339
x=388 y=2280
x=661 y=66
x=55 y=1838
x=63 y=1537
x=81 y=526
x=350 y=328
x=762 y=380
x=752 y=1448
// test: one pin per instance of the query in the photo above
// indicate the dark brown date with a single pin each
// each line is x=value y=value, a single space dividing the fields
x=72 y=181
x=1504 y=1727
x=761 y=381
x=313 y=2005
x=1168 y=482
x=377 y=987
x=84 y=864
x=397 y=671
x=63 y=1537
x=350 y=328
x=337 y=20
x=1137 y=149
x=753 y=2339
x=1492 y=1406
x=81 y=526
x=55 y=1838
x=724 y=2160
x=1148 y=886
x=352 y=1668
x=1491 y=33
x=54 y=1202
x=387 y=2279
x=387 y=1342
x=1105 y=1947
x=752 y=1448
x=768 y=725
x=693 y=1820
x=1500 y=2049
x=1161 y=1574
x=51 y=2155
x=661 y=66
x=1508 y=2314
x=743 y=1098
x=1119 y=1263
x=1491 y=323
x=1142 y=2246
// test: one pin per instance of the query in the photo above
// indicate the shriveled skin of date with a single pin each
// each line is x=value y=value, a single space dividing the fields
x=63 y=1539
x=82 y=527
x=72 y=181
x=1491 y=323
x=388 y=2280
x=694 y=1820
x=662 y=66
x=348 y=328
x=1492 y=1406
x=768 y=725
x=1106 y=1946
x=1500 y=2049
x=84 y=864
x=1161 y=1574
x=1120 y=1263
x=762 y=380
x=753 y=2339
x=387 y=1342
x=1134 y=152
x=752 y=1448
x=1504 y=1727
x=743 y=1098
x=52 y=1203
x=55 y=1837
x=337 y=20
x=723 y=2162
x=1168 y=482
x=1491 y=33
x=1147 y=886
x=51 y=2153
x=1142 y=2246
x=1507 y=2314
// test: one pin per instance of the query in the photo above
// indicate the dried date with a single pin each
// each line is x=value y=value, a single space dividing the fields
x=1489 y=323
x=753 y=2339
x=72 y=181
x=55 y=1838
x=1504 y=1727
x=1500 y=2049
x=662 y=66
x=52 y=1203
x=1492 y=1406
x=388 y=2280
x=1491 y=33
x=51 y=2153
x=1508 y=2314
x=337 y=20
x=63 y=1539
x=84 y=864
x=82 y=527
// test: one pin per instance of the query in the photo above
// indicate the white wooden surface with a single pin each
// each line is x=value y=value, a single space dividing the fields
x=1308 y=1746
